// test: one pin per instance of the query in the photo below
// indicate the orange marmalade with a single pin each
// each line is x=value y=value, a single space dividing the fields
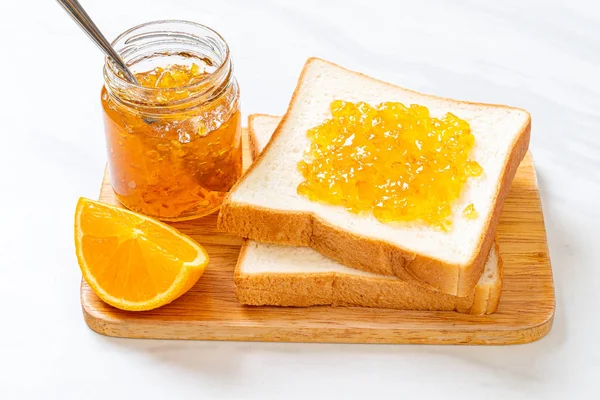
x=394 y=161
x=173 y=140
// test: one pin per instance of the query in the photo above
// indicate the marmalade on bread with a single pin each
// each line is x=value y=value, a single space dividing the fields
x=177 y=166
x=394 y=161
x=470 y=212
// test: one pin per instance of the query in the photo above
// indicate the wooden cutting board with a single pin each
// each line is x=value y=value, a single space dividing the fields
x=210 y=311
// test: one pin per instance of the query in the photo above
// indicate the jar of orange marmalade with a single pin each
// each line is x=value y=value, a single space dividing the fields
x=174 y=138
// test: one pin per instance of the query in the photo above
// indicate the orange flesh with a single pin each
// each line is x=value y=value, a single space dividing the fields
x=129 y=257
x=394 y=161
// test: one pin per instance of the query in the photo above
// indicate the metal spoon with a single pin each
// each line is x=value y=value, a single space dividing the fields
x=76 y=11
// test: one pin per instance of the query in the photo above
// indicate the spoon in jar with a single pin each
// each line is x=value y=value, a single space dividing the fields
x=76 y=11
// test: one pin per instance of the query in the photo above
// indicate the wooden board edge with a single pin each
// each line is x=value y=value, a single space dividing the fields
x=139 y=329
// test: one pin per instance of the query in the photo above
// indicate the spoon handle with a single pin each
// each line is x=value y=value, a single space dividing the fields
x=76 y=11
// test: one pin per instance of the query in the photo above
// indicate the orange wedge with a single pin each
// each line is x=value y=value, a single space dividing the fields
x=134 y=262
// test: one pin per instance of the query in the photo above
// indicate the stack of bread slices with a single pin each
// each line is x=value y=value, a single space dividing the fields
x=299 y=252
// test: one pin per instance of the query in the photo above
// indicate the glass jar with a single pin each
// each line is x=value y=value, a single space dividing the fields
x=174 y=149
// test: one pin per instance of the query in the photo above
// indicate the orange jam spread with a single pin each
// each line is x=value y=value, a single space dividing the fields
x=171 y=77
x=470 y=212
x=394 y=161
x=175 y=165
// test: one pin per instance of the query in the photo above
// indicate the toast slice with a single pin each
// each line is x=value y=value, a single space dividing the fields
x=265 y=206
x=269 y=274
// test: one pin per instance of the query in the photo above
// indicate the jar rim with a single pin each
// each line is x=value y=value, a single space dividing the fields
x=111 y=72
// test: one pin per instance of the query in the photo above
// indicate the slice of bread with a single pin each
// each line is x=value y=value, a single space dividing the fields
x=260 y=130
x=269 y=274
x=265 y=206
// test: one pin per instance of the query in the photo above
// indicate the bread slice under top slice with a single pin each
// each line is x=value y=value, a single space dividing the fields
x=270 y=274
x=265 y=206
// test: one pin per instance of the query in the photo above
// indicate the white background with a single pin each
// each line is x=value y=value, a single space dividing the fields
x=540 y=55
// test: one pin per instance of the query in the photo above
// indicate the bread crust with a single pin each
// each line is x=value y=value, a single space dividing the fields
x=487 y=296
x=337 y=289
x=368 y=254
x=496 y=289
